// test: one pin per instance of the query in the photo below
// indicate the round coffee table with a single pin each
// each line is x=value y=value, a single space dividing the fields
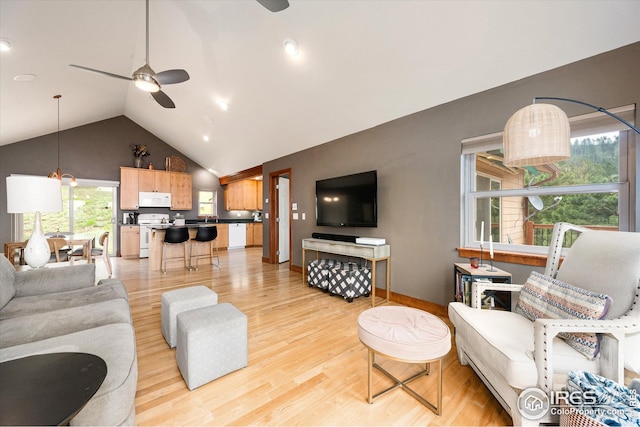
x=48 y=389
x=406 y=335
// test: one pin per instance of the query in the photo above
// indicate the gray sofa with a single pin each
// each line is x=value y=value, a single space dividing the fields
x=60 y=310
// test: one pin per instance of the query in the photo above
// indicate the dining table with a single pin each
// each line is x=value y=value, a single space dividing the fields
x=72 y=239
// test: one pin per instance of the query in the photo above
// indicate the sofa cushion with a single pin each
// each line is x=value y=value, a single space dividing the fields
x=25 y=329
x=25 y=306
x=503 y=341
x=50 y=280
x=543 y=297
x=7 y=277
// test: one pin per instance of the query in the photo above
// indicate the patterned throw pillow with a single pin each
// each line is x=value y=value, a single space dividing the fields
x=547 y=298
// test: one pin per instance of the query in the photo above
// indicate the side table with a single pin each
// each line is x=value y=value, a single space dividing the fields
x=48 y=389
x=465 y=275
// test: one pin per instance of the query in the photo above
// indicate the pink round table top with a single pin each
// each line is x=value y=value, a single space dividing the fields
x=404 y=333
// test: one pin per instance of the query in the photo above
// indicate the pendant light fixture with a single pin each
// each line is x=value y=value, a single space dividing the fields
x=58 y=173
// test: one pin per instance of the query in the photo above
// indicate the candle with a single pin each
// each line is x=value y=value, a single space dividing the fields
x=481 y=233
x=491 y=246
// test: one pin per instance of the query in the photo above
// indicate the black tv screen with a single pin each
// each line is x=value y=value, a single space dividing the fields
x=348 y=201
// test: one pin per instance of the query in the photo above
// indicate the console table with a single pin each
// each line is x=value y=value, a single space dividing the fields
x=368 y=252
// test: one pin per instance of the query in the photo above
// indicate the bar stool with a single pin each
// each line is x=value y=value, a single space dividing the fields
x=205 y=235
x=175 y=236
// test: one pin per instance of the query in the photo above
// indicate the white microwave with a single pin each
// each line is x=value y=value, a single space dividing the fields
x=154 y=200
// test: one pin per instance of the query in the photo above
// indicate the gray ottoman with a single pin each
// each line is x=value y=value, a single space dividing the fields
x=212 y=342
x=179 y=300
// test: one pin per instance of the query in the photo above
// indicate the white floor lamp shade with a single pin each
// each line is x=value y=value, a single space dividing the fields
x=26 y=194
x=536 y=135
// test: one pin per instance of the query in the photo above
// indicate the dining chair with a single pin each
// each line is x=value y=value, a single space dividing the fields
x=102 y=252
x=59 y=250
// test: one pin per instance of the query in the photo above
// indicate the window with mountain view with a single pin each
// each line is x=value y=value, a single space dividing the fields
x=519 y=206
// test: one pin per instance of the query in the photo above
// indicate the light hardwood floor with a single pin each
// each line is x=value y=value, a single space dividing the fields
x=306 y=364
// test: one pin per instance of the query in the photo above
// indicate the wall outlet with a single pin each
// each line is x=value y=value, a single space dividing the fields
x=304 y=216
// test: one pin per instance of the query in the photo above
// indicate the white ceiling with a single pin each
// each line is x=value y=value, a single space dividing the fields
x=361 y=63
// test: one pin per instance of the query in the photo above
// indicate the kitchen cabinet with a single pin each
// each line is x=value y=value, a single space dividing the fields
x=151 y=180
x=254 y=234
x=249 y=235
x=243 y=195
x=128 y=188
x=181 y=194
x=223 y=236
x=134 y=180
x=130 y=241
x=257 y=234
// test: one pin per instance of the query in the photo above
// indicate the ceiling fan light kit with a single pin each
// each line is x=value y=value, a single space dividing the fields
x=145 y=78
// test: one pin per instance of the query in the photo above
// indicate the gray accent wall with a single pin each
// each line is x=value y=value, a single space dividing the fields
x=418 y=162
x=95 y=151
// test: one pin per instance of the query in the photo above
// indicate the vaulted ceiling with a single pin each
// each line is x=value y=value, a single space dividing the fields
x=361 y=63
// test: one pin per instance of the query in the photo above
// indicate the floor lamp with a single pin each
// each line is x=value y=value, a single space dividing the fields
x=37 y=194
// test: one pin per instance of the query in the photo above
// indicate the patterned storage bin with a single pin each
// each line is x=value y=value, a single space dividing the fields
x=349 y=280
x=319 y=273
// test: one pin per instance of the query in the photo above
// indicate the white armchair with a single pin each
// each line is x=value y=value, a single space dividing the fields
x=510 y=353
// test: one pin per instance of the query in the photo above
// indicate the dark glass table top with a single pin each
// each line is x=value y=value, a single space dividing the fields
x=48 y=389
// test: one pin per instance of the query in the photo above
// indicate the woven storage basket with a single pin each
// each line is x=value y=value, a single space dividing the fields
x=573 y=417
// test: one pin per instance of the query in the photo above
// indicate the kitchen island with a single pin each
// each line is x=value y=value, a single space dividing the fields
x=175 y=252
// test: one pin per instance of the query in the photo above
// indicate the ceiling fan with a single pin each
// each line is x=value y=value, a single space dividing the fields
x=274 y=5
x=148 y=80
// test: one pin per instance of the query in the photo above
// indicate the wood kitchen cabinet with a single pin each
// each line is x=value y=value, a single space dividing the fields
x=254 y=234
x=130 y=241
x=128 y=188
x=134 y=180
x=181 y=194
x=257 y=234
x=223 y=236
x=151 y=180
x=243 y=195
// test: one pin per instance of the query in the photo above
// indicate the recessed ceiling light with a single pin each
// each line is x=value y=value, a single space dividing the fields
x=24 y=78
x=5 y=45
x=291 y=47
x=224 y=105
x=205 y=138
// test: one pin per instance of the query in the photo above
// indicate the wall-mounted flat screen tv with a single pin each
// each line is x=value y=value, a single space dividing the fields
x=348 y=201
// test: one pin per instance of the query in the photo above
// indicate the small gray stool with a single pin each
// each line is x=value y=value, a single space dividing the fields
x=212 y=342
x=179 y=300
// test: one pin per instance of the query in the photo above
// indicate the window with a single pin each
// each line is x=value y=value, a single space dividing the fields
x=519 y=206
x=88 y=209
x=207 y=203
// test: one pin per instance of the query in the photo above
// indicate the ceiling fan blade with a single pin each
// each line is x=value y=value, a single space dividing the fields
x=274 y=5
x=101 y=72
x=169 y=77
x=163 y=99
